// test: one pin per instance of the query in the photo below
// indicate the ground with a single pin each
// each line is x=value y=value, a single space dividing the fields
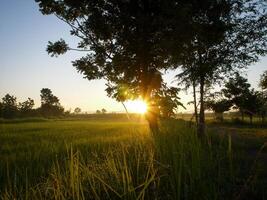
x=117 y=159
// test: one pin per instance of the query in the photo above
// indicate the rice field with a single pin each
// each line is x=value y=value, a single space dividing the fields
x=117 y=159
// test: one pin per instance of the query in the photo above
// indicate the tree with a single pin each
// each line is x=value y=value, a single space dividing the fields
x=237 y=89
x=50 y=105
x=1 y=109
x=251 y=103
x=227 y=35
x=126 y=41
x=263 y=81
x=9 y=106
x=26 y=107
x=219 y=107
x=98 y=112
x=103 y=111
x=262 y=105
x=77 y=110
x=168 y=101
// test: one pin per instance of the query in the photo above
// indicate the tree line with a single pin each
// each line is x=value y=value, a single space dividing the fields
x=50 y=106
x=237 y=94
x=131 y=44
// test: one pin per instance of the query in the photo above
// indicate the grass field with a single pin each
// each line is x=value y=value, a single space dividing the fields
x=116 y=159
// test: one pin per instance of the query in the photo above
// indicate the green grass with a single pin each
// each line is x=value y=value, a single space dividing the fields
x=116 y=159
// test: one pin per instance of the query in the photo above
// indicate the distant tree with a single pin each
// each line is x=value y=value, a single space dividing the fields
x=261 y=105
x=50 y=105
x=218 y=106
x=9 y=106
x=26 y=107
x=251 y=104
x=77 y=110
x=262 y=97
x=237 y=90
x=48 y=98
x=98 y=112
x=104 y=111
x=1 y=109
x=263 y=81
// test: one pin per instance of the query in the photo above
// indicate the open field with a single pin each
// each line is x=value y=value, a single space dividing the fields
x=116 y=159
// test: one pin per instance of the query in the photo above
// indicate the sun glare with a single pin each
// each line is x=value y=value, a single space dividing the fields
x=137 y=106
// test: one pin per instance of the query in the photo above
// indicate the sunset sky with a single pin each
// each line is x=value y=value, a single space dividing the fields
x=25 y=66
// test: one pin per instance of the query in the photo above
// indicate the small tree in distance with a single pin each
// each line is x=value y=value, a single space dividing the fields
x=50 y=105
x=219 y=107
x=263 y=81
x=9 y=106
x=236 y=90
x=104 y=111
x=26 y=107
x=77 y=110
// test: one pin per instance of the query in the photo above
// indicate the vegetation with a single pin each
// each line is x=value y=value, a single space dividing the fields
x=131 y=44
x=119 y=160
x=50 y=106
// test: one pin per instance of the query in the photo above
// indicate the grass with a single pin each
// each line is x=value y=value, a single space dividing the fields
x=116 y=159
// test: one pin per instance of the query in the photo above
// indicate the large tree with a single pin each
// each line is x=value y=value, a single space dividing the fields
x=228 y=35
x=126 y=42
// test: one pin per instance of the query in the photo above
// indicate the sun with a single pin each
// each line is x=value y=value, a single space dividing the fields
x=136 y=106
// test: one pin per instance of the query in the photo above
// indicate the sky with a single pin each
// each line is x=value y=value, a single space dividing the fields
x=26 y=68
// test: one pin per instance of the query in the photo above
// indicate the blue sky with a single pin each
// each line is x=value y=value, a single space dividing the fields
x=25 y=67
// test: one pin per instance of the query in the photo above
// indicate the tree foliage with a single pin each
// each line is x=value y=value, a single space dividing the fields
x=228 y=35
x=50 y=105
x=26 y=107
x=126 y=41
x=263 y=81
x=237 y=89
x=9 y=106
x=77 y=110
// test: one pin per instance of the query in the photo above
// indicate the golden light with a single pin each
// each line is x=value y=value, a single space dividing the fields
x=136 y=106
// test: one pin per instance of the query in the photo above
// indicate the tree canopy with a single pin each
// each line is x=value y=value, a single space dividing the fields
x=131 y=43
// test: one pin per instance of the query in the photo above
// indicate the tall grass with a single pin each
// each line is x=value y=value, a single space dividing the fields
x=118 y=161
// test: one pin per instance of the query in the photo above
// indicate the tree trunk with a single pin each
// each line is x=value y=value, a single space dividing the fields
x=195 y=102
x=127 y=113
x=250 y=118
x=219 y=116
x=201 y=124
x=152 y=118
x=242 y=115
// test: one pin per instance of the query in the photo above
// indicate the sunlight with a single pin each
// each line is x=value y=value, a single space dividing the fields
x=137 y=106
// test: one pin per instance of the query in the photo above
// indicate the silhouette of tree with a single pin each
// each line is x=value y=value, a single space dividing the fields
x=168 y=101
x=50 y=105
x=98 y=112
x=77 y=110
x=218 y=106
x=26 y=107
x=103 y=111
x=9 y=106
x=126 y=41
x=263 y=81
x=237 y=89
x=228 y=35
x=1 y=110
